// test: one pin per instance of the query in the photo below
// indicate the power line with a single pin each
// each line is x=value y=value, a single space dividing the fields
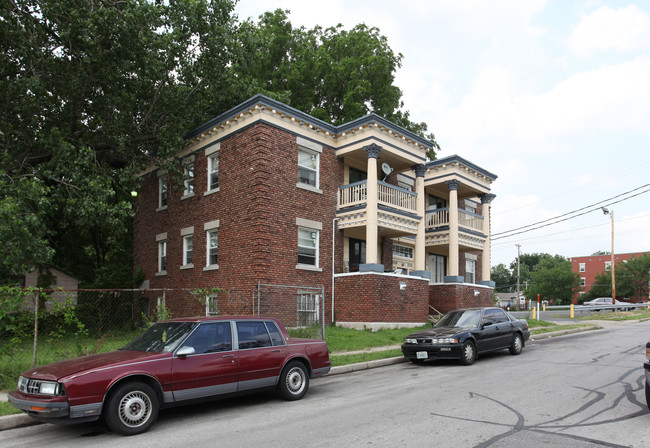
x=557 y=220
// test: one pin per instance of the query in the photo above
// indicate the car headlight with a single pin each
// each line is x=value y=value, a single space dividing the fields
x=445 y=341
x=411 y=341
x=48 y=388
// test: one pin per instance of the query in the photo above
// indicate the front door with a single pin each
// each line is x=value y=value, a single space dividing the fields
x=357 y=254
x=212 y=369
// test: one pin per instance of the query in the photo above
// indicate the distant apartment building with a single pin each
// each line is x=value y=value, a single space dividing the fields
x=351 y=221
x=590 y=266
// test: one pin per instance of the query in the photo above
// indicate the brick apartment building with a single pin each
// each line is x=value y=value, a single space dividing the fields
x=590 y=266
x=277 y=208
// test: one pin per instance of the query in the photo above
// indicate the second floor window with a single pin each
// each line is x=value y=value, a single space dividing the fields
x=213 y=171
x=162 y=191
x=212 y=247
x=582 y=267
x=608 y=265
x=188 y=171
x=308 y=162
x=307 y=246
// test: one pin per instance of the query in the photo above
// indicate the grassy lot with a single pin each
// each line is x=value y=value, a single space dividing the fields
x=617 y=315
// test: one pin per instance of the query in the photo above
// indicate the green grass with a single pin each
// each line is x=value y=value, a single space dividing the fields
x=343 y=360
x=617 y=315
x=7 y=409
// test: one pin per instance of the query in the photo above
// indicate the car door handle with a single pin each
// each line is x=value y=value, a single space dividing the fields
x=276 y=351
x=228 y=356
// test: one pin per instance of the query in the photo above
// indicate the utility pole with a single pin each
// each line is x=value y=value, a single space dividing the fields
x=613 y=263
x=518 y=274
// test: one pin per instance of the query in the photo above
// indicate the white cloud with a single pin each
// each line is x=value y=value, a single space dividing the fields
x=623 y=29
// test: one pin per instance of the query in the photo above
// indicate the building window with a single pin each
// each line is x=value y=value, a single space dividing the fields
x=308 y=246
x=211 y=308
x=436 y=203
x=162 y=257
x=582 y=267
x=213 y=172
x=188 y=171
x=307 y=309
x=402 y=251
x=583 y=281
x=188 y=250
x=608 y=265
x=470 y=206
x=470 y=271
x=308 y=162
x=162 y=191
x=212 y=247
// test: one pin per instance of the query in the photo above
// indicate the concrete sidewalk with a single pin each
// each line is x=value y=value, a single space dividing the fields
x=18 y=420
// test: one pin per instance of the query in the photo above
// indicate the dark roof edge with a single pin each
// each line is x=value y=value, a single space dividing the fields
x=281 y=107
x=458 y=158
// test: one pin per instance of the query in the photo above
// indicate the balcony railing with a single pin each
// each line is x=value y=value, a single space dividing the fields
x=388 y=195
x=440 y=217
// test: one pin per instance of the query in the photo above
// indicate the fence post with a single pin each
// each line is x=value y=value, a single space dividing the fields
x=38 y=299
x=322 y=316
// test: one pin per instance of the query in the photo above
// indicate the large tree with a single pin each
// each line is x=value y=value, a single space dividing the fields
x=95 y=89
x=92 y=90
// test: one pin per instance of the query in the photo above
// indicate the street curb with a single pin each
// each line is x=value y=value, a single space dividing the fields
x=338 y=370
x=537 y=337
x=16 y=421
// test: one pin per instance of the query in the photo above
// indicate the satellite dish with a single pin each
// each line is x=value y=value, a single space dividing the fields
x=386 y=169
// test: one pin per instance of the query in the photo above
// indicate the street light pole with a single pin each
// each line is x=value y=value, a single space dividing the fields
x=613 y=267
x=518 y=277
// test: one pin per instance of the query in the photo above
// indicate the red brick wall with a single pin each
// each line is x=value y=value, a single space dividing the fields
x=257 y=207
x=378 y=298
x=445 y=298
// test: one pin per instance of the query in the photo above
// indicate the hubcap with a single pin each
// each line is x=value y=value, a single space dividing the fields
x=135 y=409
x=295 y=380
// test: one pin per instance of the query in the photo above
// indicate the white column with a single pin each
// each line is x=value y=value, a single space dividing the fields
x=452 y=267
x=372 y=230
x=419 y=252
x=486 y=199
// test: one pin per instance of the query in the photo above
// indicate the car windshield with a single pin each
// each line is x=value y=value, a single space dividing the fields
x=464 y=318
x=162 y=337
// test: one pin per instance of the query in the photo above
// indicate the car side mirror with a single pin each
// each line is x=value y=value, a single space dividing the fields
x=185 y=350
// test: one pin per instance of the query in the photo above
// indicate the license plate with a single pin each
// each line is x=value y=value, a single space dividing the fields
x=422 y=355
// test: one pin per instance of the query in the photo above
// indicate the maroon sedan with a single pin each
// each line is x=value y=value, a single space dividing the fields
x=173 y=362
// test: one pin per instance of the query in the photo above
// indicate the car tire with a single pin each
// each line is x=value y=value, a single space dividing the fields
x=517 y=344
x=647 y=395
x=294 y=381
x=132 y=408
x=468 y=353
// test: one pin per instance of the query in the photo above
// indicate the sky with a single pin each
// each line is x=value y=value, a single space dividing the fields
x=551 y=96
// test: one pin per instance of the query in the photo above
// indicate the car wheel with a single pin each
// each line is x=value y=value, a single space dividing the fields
x=132 y=409
x=294 y=381
x=517 y=344
x=468 y=353
x=647 y=394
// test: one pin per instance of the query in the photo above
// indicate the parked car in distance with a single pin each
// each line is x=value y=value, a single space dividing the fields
x=607 y=301
x=174 y=362
x=646 y=366
x=465 y=334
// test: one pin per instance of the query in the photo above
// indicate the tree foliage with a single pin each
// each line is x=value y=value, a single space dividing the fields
x=95 y=89
x=553 y=280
